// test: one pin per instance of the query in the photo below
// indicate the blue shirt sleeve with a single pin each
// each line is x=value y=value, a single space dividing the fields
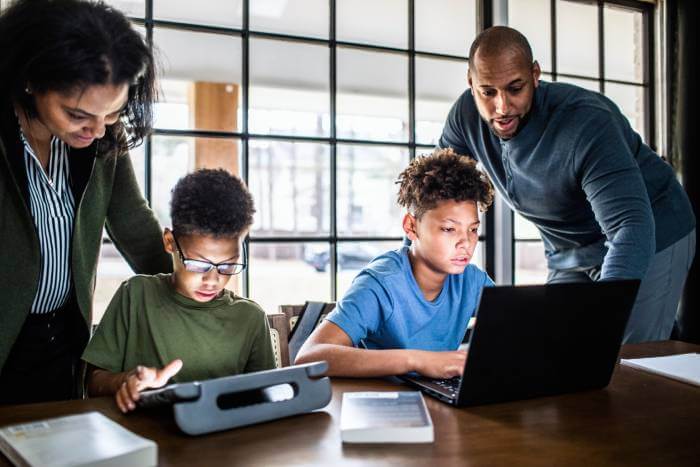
x=613 y=184
x=363 y=309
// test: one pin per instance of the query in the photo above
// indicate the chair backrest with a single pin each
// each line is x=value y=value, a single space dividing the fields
x=292 y=313
x=279 y=334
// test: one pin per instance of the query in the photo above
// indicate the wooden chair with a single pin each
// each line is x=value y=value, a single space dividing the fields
x=279 y=334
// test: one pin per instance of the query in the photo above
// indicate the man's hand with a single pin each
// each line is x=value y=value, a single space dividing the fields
x=441 y=365
x=141 y=378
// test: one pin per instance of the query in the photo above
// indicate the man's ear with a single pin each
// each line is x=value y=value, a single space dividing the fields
x=536 y=72
x=469 y=77
x=410 y=227
x=168 y=241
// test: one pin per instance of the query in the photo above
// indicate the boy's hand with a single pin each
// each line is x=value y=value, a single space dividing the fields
x=141 y=378
x=442 y=365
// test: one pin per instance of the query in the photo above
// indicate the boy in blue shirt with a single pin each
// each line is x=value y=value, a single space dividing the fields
x=409 y=308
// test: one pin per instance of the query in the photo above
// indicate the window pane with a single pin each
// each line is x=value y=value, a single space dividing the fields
x=438 y=85
x=455 y=18
x=353 y=256
x=289 y=96
x=112 y=270
x=299 y=17
x=371 y=22
x=524 y=229
x=624 y=46
x=176 y=156
x=532 y=18
x=135 y=9
x=372 y=99
x=290 y=183
x=590 y=84
x=200 y=90
x=630 y=99
x=530 y=263
x=284 y=274
x=212 y=12
x=366 y=190
x=577 y=38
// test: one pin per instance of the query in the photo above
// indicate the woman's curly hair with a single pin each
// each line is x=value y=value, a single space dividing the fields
x=440 y=176
x=211 y=202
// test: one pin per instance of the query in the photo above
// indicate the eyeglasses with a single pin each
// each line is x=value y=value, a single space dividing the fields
x=202 y=267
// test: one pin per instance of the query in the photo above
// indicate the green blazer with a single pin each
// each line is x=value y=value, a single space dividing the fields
x=106 y=195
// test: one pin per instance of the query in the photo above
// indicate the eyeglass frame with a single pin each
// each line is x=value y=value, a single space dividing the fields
x=185 y=260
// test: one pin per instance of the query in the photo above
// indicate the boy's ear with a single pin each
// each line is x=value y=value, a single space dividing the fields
x=168 y=242
x=410 y=227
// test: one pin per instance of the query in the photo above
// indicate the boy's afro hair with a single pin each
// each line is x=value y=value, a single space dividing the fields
x=211 y=202
x=440 y=176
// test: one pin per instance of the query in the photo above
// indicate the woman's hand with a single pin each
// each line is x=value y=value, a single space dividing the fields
x=143 y=377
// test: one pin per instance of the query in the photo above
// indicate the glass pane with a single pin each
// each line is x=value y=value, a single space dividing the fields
x=532 y=19
x=530 y=263
x=300 y=17
x=366 y=190
x=290 y=183
x=371 y=22
x=176 y=156
x=624 y=46
x=199 y=90
x=372 y=100
x=438 y=85
x=290 y=88
x=577 y=38
x=212 y=12
x=284 y=274
x=524 y=229
x=630 y=99
x=112 y=270
x=133 y=8
x=590 y=84
x=456 y=16
x=353 y=256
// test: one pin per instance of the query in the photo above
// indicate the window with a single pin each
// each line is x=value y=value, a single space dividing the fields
x=602 y=46
x=318 y=106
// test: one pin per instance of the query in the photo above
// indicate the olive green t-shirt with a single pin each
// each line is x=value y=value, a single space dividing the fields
x=148 y=323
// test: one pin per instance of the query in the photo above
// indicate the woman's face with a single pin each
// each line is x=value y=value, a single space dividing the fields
x=80 y=117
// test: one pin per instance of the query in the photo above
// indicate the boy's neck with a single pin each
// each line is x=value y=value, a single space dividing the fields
x=429 y=281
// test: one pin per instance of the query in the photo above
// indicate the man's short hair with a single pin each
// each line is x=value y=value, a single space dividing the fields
x=496 y=39
x=211 y=202
x=441 y=176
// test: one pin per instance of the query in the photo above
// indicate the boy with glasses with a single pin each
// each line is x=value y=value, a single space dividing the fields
x=185 y=325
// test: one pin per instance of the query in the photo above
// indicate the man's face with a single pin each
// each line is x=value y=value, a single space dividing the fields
x=445 y=237
x=503 y=87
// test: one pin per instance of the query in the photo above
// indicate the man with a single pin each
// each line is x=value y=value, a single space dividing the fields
x=566 y=159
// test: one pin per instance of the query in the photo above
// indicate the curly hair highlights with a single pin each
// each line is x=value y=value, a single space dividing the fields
x=211 y=202
x=441 y=176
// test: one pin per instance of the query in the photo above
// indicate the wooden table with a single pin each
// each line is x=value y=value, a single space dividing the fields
x=639 y=419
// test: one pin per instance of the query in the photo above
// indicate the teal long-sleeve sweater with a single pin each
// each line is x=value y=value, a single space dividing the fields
x=598 y=195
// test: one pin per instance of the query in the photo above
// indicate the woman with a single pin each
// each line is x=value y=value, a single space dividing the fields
x=76 y=92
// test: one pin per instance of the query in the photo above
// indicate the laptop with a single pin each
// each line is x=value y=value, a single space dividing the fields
x=533 y=341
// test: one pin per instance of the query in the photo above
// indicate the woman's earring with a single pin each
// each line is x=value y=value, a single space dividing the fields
x=27 y=90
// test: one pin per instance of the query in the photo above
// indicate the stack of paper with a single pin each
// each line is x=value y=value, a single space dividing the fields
x=683 y=367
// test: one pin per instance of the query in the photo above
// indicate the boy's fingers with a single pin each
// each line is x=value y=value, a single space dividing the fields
x=167 y=372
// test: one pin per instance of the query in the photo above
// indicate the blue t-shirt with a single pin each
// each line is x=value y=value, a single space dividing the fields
x=386 y=309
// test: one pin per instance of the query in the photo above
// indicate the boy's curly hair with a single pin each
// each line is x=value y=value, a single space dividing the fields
x=440 y=176
x=211 y=202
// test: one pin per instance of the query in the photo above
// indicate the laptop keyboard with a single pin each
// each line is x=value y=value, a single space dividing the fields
x=451 y=385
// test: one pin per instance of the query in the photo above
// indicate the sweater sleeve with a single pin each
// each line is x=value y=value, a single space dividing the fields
x=132 y=225
x=613 y=185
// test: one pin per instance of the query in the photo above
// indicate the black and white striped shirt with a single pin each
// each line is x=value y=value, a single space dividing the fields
x=53 y=209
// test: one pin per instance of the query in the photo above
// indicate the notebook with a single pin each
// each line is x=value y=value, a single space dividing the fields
x=385 y=417
x=88 y=439
x=682 y=367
